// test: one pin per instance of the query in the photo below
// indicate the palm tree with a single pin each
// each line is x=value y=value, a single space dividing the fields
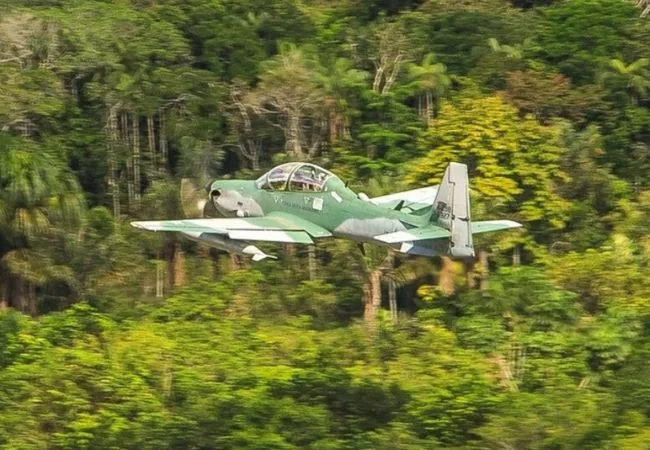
x=337 y=81
x=430 y=81
x=39 y=197
x=635 y=75
x=510 y=51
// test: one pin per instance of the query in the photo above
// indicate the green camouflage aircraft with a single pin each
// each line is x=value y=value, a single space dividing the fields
x=299 y=202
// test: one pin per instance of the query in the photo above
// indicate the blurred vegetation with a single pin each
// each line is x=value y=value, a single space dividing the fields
x=113 y=338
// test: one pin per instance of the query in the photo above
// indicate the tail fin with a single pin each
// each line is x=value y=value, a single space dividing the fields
x=451 y=210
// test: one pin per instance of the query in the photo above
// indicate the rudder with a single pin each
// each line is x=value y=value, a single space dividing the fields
x=451 y=210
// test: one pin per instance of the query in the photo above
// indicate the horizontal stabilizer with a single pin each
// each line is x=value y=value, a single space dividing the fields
x=429 y=233
x=415 y=234
x=493 y=225
x=412 y=200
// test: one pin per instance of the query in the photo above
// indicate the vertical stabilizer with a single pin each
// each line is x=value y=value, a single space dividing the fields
x=451 y=210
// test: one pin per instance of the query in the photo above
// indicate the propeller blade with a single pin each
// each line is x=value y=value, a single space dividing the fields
x=210 y=211
x=193 y=200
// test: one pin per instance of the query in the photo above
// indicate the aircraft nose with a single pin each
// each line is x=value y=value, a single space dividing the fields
x=224 y=199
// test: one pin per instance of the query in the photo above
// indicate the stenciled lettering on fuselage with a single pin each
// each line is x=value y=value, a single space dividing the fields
x=308 y=203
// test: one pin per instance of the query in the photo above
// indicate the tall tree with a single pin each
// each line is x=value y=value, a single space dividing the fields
x=389 y=52
x=635 y=77
x=289 y=96
x=429 y=81
x=38 y=196
x=341 y=84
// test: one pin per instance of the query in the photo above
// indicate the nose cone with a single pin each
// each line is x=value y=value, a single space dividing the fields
x=233 y=198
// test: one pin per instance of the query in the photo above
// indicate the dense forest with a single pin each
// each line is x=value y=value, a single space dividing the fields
x=113 y=338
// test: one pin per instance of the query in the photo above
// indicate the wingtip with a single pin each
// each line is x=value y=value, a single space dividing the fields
x=149 y=226
x=507 y=223
x=260 y=257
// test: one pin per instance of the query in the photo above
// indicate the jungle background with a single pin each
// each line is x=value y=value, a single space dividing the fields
x=113 y=338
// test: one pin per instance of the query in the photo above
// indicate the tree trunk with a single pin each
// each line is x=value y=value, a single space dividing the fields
x=126 y=144
x=446 y=276
x=392 y=289
x=24 y=128
x=392 y=300
x=179 y=267
x=379 y=75
x=255 y=159
x=516 y=255
x=470 y=275
x=235 y=263
x=163 y=139
x=4 y=291
x=135 y=126
x=332 y=126
x=311 y=255
x=25 y=294
x=151 y=137
x=213 y=254
x=112 y=163
x=171 y=249
x=372 y=298
x=160 y=278
x=293 y=134
x=483 y=257
x=31 y=298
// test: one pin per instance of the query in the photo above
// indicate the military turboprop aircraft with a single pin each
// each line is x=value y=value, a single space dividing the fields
x=299 y=202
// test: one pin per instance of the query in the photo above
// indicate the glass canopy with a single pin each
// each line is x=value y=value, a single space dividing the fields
x=296 y=177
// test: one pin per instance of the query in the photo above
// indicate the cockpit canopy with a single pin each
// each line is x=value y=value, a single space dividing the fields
x=297 y=177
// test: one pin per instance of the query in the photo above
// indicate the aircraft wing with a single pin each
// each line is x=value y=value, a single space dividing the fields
x=435 y=232
x=275 y=227
x=414 y=199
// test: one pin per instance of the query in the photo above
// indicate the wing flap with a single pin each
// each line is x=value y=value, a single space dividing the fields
x=296 y=223
x=295 y=237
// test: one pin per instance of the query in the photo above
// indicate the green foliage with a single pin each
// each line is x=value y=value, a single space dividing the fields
x=581 y=35
x=512 y=159
x=148 y=341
